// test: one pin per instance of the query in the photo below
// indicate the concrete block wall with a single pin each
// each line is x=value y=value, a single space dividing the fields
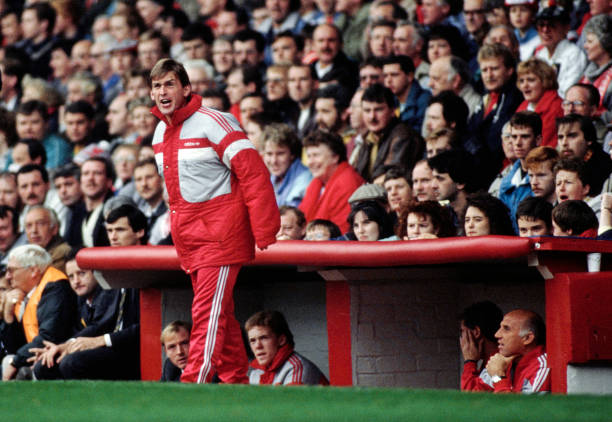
x=406 y=334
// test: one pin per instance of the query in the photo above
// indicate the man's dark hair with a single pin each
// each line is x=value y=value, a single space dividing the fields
x=593 y=93
x=35 y=149
x=179 y=18
x=153 y=34
x=264 y=118
x=371 y=62
x=333 y=141
x=242 y=16
x=44 y=12
x=378 y=93
x=150 y=161
x=301 y=219
x=575 y=215
x=405 y=63
x=536 y=209
x=457 y=164
x=136 y=219
x=169 y=65
x=528 y=119
x=13 y=67
x=109 y=169
x=218 y=93
x=72 y=253
x=198 y=31
x=7 y=125
x=5 y=212
x=382 y=22
x=250 y=74
x=460 y=67
x=81 y=107
x=250 y=34
x=586 y=126
x=33 y=106
x=534 y=324
x=334 y=230
x=485 y=315
x=399 y=13
x=395 y=172
x=573 y=165
x=454 y=110
x=297 y=39
x=273 y=320
x=68 y=170
x=29 y=168
x=338 y=94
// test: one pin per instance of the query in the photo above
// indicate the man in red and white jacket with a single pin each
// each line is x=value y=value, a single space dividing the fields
x=221 y=203
x=275 y=360
x=521 y=364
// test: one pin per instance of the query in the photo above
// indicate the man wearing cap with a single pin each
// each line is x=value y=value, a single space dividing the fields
x=569 y=60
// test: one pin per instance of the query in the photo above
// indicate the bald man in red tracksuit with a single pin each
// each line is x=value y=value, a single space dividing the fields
x=221 y=203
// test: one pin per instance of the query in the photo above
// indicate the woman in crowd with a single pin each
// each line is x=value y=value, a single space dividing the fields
x=425 y=220
x=598 y=47
x=538 y=83
x=334 y=179
x=369 y=221
x=486 y=215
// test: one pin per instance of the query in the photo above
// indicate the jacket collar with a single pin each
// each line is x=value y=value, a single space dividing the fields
x=180 y=115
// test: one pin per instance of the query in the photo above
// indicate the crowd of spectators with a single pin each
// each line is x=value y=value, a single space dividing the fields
x=377 y=120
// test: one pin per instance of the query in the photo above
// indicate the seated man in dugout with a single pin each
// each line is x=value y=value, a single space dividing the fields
x=479 y=322
x=175 y=342
x=275 y=361
x=521 y=365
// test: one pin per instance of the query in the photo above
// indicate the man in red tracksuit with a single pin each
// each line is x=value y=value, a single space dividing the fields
x=221 y=202
x=521 y=364
x=479 y=322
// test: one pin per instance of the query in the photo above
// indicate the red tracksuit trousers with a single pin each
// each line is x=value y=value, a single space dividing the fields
x=216 y=344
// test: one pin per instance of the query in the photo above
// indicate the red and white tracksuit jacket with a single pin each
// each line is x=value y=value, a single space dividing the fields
x=221 y=203
x=287 y=368
x=529 y=375
x=475 y=377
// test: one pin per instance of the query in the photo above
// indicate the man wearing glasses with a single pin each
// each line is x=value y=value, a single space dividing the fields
x=40 y=306
x=583 y=99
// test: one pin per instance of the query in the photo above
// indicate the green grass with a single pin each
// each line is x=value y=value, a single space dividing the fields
x=136 y=401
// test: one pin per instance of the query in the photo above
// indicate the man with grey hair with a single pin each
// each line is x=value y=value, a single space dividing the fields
x=408 y=41
x=200 y=74
x=40 y=307
x=41 y=227
x=450 y=73
x=521 y=365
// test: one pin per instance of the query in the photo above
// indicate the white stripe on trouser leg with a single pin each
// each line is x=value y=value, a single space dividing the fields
x=213 y=324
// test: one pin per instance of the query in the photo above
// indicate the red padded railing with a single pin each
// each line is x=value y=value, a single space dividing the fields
x=324 y=254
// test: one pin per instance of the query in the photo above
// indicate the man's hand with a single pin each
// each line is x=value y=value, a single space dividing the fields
x=11 y=298
x=498 y=364
x=84 y=343
x=470 y=348
x=37 y=352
